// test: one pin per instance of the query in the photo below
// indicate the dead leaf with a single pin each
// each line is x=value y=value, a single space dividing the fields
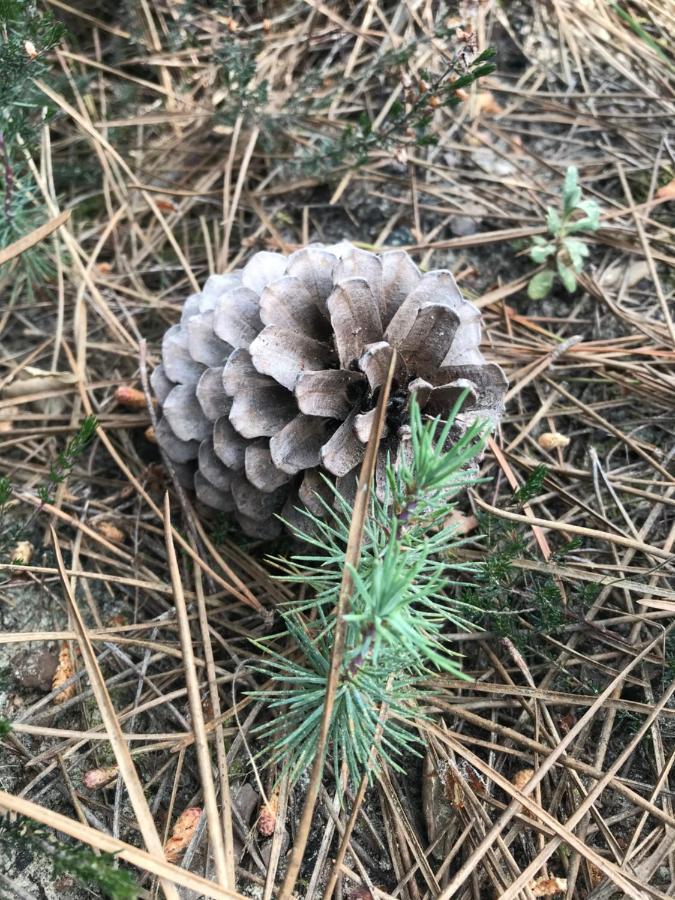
x=521 y=778
x=166 y=205
x=34 y=669
x=267 y=819
x=551 y=440
x=486 y=103
x=64 y=670
x=109 y=531
x=7 y=418
x=547 y=887
x=463 y=524
x=22 y=553
x=596 y=874
x=98 y=778
x=667 y=192
x=566 y=722
x=454 y=793
x=130 y=397
x=615 y=276
x=519 y=781
x=182 y=833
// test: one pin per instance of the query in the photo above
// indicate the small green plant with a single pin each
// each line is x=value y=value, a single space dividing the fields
x=515 y=602
x=240 y=91
x=563 y=253
x=62 y=466
x=408 y=122
x=400 y=609
x=26 y=37
x=91 y=870
x=11 y=532
x=242 y=94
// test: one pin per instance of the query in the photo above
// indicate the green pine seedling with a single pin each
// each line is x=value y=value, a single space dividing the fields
x=401 y=608
x=564 y=253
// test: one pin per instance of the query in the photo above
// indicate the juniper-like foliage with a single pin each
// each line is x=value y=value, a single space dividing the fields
x=401 y=609
x=77 y=860
x=61 y=467
x=26 y=37
x=15 y=529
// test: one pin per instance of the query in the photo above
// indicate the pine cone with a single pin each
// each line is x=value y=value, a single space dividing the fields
x=271 y=378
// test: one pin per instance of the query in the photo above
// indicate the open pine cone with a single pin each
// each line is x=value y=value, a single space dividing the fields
x=271 y=378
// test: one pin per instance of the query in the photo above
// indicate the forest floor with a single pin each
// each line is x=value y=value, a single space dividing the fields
x=183 y=137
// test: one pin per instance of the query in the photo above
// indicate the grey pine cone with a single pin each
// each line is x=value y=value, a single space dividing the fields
x=271 y=378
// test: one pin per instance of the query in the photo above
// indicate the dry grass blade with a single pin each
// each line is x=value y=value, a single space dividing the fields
x=108 y=713
x=352 y=556
x=224 y=871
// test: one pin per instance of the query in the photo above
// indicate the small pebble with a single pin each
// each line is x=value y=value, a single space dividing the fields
x=34 y=669
x=266 y=850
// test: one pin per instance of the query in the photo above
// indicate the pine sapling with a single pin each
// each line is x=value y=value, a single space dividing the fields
x=401 y=609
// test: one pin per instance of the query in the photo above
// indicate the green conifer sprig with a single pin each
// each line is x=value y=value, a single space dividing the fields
x=62 y=466
x=12 y=531
x=401 y=608
x=100 y=871
x=26 y=37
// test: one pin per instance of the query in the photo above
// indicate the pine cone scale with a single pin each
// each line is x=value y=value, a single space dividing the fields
x=211 y=394
x=212 y=468
x=427 y=343
x=298 y=445
x=289 y=304
x=236 y=319
x=260 y=469
x=284 y=355
x=314 y=268
x=375 y=362
x=327 y=393
x=228 y=445
x=203 y=345
x=355 y=319
x=344 y=451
